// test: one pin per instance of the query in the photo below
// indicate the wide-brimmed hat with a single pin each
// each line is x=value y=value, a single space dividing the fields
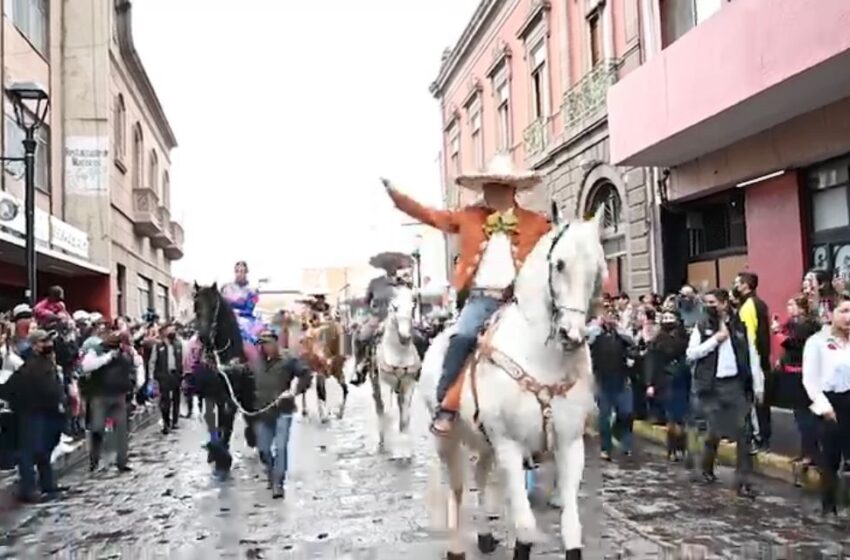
x=391 y=261
x=502 y=171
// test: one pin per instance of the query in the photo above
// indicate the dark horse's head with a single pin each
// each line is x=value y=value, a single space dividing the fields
x=218 y=330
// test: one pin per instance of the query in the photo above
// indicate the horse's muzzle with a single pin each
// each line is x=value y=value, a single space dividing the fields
x=570 y=341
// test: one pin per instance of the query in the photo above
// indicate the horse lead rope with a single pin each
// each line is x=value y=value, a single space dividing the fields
x=247 y=413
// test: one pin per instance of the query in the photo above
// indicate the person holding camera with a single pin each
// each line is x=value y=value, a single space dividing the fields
x=611 y=348
x=110 y=370
x=727 y=379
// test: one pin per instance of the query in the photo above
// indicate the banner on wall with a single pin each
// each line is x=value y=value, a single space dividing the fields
x=87 y=165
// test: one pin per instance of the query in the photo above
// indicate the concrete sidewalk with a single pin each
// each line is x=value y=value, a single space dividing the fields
x=771 y=464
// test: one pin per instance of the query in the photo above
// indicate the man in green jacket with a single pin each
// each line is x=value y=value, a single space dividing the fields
x=274 y=376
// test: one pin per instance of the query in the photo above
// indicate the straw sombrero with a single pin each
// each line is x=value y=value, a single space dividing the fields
x=500 y=170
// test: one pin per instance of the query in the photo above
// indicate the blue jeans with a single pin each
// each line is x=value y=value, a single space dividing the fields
x=475 y=313
x=274 y=431
x=38 y=435
x=619 y=401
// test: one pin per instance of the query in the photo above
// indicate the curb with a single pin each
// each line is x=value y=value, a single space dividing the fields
x=67 y=462
x=771 y=465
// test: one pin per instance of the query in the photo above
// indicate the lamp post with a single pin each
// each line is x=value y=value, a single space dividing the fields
x=31 y=103
x=417 y=258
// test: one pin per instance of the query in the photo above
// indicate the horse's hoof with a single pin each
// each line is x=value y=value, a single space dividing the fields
x=456 y=556
x=487 y=543
x=522 y=551
x=574 y=554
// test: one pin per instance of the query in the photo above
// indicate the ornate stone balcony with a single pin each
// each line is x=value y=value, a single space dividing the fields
x=174 y=250
x=162 y=238
x=146 y=216
x=585 y=102
x=535 y=137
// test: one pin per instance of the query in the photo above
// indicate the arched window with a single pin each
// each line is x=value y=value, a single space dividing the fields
x=120 y=127
x=138 y=156
x=166 y=190
x=604 y=195
x=153 y=173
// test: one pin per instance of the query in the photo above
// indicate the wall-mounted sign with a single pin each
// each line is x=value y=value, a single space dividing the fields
x=13 y=218
x=68 y=238
x=87 y=164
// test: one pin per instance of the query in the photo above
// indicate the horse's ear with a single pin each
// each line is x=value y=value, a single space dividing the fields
x=196 y=287
x=214 y=286
x=555 y=214
x=597 y=219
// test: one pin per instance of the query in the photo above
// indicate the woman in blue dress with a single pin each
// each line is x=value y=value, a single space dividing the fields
x=243 y=298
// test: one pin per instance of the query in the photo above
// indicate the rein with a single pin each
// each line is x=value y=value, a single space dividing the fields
x=220 y=369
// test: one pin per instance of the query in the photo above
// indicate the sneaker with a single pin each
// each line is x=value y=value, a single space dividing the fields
x=746 y=491
x=278 y=493
x=604 y=455
x=124 y=468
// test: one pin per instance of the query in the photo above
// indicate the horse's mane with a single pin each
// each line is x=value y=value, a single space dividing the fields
x=228 y=338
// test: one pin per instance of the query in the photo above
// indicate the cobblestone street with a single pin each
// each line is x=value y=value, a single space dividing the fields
x=345 y=501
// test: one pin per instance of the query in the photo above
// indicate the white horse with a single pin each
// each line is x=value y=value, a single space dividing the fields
x=529 y=391
x=397 y=367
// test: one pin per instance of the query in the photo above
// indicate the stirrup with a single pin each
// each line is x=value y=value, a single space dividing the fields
x=450 y=416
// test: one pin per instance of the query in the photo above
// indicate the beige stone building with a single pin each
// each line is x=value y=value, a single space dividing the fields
x=118 y=143
x=31 y=48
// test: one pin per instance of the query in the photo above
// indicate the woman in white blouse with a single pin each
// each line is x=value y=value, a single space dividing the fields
x=826 y=378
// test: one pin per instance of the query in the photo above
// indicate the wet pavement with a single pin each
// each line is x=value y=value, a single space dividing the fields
x=345 y=501
x=662 y=502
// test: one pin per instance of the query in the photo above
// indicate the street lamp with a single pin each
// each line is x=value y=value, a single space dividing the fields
x=31 y=103
x=417 y=258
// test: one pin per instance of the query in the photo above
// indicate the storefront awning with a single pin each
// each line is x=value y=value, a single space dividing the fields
x=12 y=251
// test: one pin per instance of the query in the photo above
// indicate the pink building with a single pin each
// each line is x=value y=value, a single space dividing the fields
x=530 y=77
x=743 y=108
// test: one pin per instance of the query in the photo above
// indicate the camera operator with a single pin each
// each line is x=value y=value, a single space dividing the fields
x=111 y=370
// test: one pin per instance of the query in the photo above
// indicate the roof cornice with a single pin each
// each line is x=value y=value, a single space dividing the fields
x=123 y=13
x=453 y=59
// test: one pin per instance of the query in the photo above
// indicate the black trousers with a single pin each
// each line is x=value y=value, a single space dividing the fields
x=169 y=403
x=834 y=442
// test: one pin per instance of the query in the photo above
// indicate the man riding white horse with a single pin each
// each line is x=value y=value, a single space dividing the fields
x=495 y=237
x=378 y=296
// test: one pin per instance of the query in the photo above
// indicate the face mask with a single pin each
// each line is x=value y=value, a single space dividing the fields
x=686 y=303
x=47 y=350
x=712 y=312
x=668 y=326
x=736 y=291
x=172 y=336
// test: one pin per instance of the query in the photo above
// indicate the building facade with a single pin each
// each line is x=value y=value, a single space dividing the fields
x=120 y=188
x=530 y=77
x=31 y=50
x=103 y=225
x=750 y=135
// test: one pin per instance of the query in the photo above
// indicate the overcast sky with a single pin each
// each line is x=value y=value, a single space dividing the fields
x=286 y=114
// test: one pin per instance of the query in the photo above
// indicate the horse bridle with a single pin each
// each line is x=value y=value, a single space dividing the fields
x=214 y=330
x=556 y=310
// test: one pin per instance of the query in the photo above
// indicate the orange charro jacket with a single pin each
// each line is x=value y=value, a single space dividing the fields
x=468 y=224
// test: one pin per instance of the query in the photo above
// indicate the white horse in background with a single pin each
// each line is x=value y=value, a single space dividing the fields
x=528 y=391
x=397 y=367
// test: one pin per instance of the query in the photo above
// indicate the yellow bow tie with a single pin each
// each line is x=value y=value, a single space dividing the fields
x=501 y=222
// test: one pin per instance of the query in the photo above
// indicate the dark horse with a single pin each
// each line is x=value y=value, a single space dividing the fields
x=223 y=354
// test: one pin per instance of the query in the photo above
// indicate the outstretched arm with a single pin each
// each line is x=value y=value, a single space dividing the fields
x=443 y=220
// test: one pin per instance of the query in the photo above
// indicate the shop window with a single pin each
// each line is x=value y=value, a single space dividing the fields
x=145 y=287
x=717 y=226
x=605 y=196
x=121 y=289
x=828 y=185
